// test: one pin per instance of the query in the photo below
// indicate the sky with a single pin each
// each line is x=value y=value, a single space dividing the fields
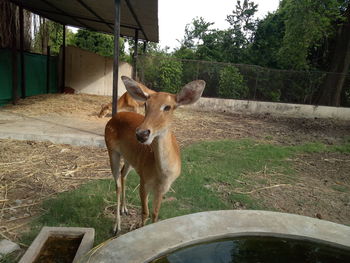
x=174 y=15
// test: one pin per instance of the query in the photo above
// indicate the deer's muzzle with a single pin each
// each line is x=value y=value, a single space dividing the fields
x=142 y=135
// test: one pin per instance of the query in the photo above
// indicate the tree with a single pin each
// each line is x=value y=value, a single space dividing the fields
x=238 y=38
x=56 y=37
x=161 y=73
x=312 y=35
x=306 y=24
x=8 y=29
x=170 y=74
x=205 y=43
x=267 y=41
x=242 y=21
x=99 y=43
x=308 y=35
x=334 y=84
x=9 y=25
x=231 y=84
x=196 y=32
x=201 y=42
x=152 y=48
x=50 y=34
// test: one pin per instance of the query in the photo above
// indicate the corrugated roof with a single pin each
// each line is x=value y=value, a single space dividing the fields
x=98 y=15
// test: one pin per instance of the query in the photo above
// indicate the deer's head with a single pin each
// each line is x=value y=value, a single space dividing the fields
x=160 y=106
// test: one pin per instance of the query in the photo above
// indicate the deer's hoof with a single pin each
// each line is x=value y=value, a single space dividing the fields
x=124 y=211
x=116 y=230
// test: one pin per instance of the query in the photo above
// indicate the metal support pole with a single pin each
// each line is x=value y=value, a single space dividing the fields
x=14 y=73
x=14 y=62
x=21 y=41
x=134 y=70
x=116 y=55
x=144 y=47
x=63 y=59
x=48 y=70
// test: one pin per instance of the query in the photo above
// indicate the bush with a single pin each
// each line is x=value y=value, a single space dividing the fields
x=170 y=74
x=161 y=73
x=231 y=84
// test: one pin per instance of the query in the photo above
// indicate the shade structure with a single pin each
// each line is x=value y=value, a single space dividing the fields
x=98 y=15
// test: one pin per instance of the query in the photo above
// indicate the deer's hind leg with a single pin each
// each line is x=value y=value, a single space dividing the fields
x=124 y=173
x=114 y=158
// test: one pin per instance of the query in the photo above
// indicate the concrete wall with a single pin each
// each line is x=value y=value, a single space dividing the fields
x=89 y=73
x=273 y=108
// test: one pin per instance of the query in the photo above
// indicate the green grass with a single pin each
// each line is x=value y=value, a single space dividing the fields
x=340 y=188
x=204 y=164
x=219 y=162
x=80 y=208
x=11 y=258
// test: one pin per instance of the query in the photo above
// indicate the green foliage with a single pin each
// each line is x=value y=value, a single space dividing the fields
x=229 y=45
x=54 y=31
x=184 y=53
x=306 y=23
x=99 y=43
x=195 y=32
x=242 y=20
x=56 y=37
x=299 y=35
x=161 y=73
x=201 y=42
x=170 y=73
x=267 y=41
x=231 y=84
x=151 y=49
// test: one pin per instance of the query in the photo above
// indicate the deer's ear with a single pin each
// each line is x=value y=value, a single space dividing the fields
x=190 y=93
x=134 y=89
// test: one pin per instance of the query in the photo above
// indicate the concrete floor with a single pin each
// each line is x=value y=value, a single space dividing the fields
x=53 y=128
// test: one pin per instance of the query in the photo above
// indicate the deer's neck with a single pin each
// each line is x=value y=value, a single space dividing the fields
x=167 y=154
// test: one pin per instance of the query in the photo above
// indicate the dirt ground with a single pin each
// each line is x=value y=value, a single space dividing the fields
x=31 y=172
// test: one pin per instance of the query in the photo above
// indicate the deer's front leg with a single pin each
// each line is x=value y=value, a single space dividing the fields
x=157 y=201
x=124 y=173
x=144 y=204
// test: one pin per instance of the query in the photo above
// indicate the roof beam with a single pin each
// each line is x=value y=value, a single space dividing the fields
x=41 y=11
x=64 y=13
x=136 y=18
x=60 y=13
x=94 y=13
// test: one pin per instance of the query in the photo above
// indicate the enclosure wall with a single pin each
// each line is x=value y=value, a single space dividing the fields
x=36 y=75
x=90 y=73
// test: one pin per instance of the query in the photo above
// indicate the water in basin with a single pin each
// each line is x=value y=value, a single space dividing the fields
x=258 y=249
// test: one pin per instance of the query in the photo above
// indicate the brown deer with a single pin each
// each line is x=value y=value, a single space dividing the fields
x=125 y=103
x=147 y=144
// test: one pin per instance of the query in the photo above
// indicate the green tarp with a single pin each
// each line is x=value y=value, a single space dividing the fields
x=35 y=68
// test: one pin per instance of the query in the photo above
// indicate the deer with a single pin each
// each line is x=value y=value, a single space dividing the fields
x=125 y=103
x=147 y=144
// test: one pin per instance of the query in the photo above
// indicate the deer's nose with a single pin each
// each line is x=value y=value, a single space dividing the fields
x=142 y=135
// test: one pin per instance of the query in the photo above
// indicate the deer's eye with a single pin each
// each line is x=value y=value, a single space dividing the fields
x=167 y=108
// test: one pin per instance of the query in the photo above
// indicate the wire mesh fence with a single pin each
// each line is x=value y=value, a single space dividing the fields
x=236 y=81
